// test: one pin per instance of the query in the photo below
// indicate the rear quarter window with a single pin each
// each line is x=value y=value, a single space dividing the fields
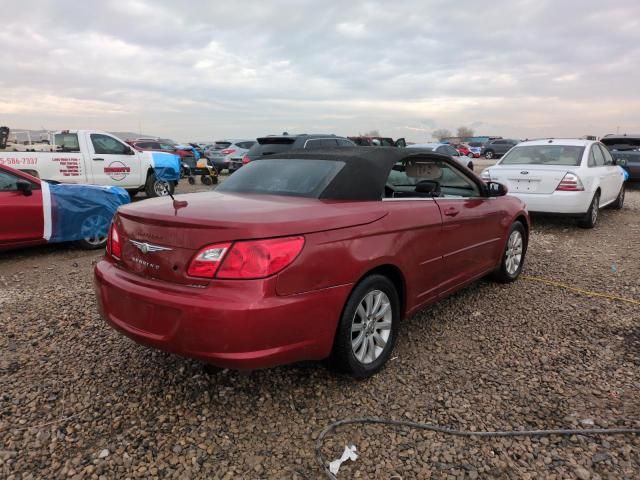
x=297 y=178
x=67 y=142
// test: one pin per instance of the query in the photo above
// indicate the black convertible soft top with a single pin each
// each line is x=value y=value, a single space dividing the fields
x=366 y=169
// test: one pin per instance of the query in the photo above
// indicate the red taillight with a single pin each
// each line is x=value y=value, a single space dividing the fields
x=246 y=260
x=114 y=247
x=228 y=151
x=208 y=260
x=245 y=159
x=570 y=183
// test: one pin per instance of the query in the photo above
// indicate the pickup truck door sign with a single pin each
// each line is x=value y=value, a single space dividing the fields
x=117 y=170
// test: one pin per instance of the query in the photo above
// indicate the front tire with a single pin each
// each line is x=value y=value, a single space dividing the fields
x=619 y=202
x=489 y=154
x=156 y=188
x=367 y=329
x=94 y=231
x=591 y=217
x=513 y=256
x=132 y=192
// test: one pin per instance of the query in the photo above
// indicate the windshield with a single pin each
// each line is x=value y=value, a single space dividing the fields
x=269 y=146
x=570 y=155
x=621 y=144
x=297 y=178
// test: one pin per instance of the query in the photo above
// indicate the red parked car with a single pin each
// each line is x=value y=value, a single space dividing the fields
x=34 y=211
x=306 y=256
x=465 y=151
x=148 y=144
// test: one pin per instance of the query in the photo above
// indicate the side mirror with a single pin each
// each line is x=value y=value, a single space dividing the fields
x=620 y=161
x=129 y=151
x=25 y=187
x=496 y=189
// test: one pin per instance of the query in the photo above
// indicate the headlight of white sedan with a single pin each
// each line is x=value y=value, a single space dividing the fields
x=485 y=175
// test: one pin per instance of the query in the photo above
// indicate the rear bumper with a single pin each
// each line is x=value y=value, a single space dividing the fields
x=233 y=324
x=634 y=171
x=234 y=165
x=566 y=203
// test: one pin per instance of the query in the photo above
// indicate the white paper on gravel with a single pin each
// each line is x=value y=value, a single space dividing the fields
x=348 y=454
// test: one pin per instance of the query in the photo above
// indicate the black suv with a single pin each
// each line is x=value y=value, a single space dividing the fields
x=497 y=148
x=281 y=143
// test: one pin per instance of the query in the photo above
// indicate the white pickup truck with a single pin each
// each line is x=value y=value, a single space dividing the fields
x=90 y=156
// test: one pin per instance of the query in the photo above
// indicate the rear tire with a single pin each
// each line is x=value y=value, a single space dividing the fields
x=513 y=255
x=591 y=217
x=489 y=154
x=206 y=180
x=368 y=328
x=618 y=204
x=156 y=188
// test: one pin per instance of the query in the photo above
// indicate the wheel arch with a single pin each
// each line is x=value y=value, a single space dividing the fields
x=395 y=275
x=527 y=228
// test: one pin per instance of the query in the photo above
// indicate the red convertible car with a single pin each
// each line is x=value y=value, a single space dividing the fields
x=306 y=256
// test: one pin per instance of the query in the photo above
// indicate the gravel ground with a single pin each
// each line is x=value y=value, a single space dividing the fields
x=524 y=355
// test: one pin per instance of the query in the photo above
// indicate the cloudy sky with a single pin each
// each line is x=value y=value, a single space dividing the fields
x=207 y=69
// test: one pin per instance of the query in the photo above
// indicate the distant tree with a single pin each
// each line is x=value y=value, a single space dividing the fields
x=465 y=132
x=441 y=134
x=372 y=133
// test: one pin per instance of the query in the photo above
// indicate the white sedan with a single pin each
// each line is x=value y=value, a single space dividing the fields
x=566 y=177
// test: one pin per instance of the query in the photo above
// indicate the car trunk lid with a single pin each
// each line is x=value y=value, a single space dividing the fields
x=159 y=240
x=535 y=179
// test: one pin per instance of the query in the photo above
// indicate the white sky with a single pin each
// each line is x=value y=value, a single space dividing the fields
x=203 y=69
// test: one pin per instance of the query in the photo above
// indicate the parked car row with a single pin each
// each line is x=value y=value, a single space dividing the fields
x=316 y=248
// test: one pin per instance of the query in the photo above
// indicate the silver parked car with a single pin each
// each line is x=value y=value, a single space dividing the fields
x=220 y=153
x=446 y=149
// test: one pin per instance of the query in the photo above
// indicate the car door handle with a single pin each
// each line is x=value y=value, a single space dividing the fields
x=451 y=212
x=98 y=159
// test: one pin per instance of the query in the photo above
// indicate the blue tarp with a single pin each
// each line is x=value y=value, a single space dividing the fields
x=166 y=166
x=76 y=212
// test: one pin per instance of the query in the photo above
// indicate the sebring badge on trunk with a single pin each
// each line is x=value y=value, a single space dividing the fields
x=147 y=247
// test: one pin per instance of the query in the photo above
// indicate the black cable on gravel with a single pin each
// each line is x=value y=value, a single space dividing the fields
x=458 y=433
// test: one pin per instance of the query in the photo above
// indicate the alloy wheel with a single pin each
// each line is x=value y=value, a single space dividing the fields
x=94 y=229
x=371 y=326
x=513 y=255
x=161 y=189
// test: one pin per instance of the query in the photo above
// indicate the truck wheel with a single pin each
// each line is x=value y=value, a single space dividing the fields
x=94 y=232
x=158 y=188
